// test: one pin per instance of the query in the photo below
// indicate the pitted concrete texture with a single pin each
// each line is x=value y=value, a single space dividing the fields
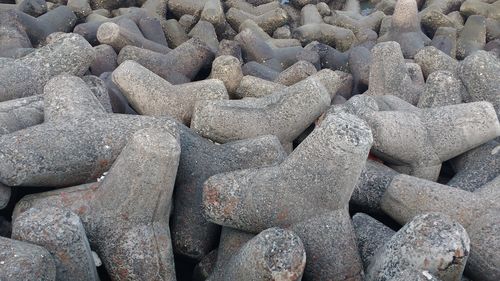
x=389 y=74
x=429 y=242
x=405 y=29
x=313 y=28
x=479 y=75
x=285 y=114
x=371 y=235
x=310 y=167
x=73 y=146
x=149 y=94
x=408 y=197
x=274 y=254
x=61 y=232
x=415 y=142
x=37 y=262
x=192 y=235
x=126 y=214
x=69 y=53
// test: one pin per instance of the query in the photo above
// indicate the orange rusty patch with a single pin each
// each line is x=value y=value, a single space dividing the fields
x=94 y=186
x=103 y=163
x=212 y=196
x=63 y=257
x=82 y=210
x=230 y=206
x=64 y=198
x=123 y=273
x=88 y=195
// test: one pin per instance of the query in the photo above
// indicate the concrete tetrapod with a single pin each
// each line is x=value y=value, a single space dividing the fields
x=389 y=74
x=118 y=37
x=476 y=167
x=296 y=73
x=190 y=7
x=442 y=88
x=100 y=91
x=152 y=30
x=371 y=235
x=213 y=12
x=119 y=103
x=263 y=51
x=479 y=73
x=330 y=237
x=439 y=13
x=255 y=87
x=131 y=208
x=61 y=232
x=105 y=60
x=359 y=60
x=33 y=8
x=68 y=53
x=21 y=113
x=336 y=82
x=257 y=10
x=37 y=262
x=489 y=9
x=208 y=10
x=175 y=33
x=69 y=96
x=274 y=254
x=432 y=59
x=278 y=43
x=205 y=31
x=81 y=8
x=405 y=29
x=477 y=211
x=303 y=192
x=204 y=268
x=415 y=141
x=231 y=240
x=18 y=114
x=89 y=29
x=149 y=94
x=285 y=114
x=181 y=65
x=126 y=214
x=429 y=242
x=472 y=37
x=56 y=20
x=259 y=70
x=227 y=69
x=330 y=57
x=75 y=145
x=192 y=235
x=268 y=21
x=371 y=186
x=229 y=48
x=313 y=28
x=365 y=28
x=445 y=40
x=14 y=41
x=337 y=222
